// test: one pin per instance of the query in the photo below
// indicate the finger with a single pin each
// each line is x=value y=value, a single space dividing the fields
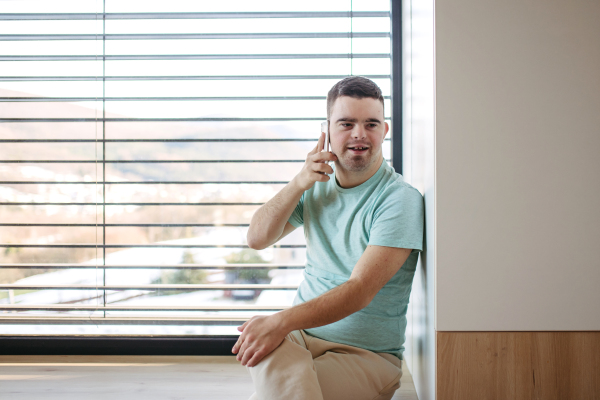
x=323 y=156
x=242 y=351
x=239 y=342
x=319 y=145
x=258 y=356
x=241 y=328
x=248 y=354
x=318 y=177
x=322 y=168
x=236 y=346
x=321 y=142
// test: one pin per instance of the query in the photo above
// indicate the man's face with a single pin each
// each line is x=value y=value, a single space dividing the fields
x=357 y=129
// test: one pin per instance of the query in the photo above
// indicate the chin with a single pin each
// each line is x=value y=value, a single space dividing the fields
x=356 y=164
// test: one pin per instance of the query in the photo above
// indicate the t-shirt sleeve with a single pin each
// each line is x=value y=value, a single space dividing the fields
x=399 y=219
x=297 y=217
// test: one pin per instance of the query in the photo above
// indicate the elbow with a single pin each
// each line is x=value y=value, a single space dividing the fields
x=253 y=243
x=255 y=246
x=252 y=238
x=365 y=302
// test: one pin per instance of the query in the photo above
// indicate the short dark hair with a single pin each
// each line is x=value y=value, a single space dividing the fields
x=358 y=87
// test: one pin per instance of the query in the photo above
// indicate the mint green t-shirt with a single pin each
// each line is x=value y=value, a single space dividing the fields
x=338 y=225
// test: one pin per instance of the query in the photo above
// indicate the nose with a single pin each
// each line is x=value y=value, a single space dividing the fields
x=359 y=132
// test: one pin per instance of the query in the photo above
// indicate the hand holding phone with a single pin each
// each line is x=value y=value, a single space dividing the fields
x=316 y=168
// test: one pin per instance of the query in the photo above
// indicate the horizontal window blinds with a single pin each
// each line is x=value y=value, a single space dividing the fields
x=138 y=138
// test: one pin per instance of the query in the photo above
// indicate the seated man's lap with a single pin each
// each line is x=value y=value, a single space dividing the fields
x=342 y=371
x=348 y=372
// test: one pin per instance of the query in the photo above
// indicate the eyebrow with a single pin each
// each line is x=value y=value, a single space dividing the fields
x=355 y=120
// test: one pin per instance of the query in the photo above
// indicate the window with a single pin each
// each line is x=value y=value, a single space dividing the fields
x=138 y=138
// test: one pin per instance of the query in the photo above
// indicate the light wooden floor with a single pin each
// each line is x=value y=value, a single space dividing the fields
x=133 y=378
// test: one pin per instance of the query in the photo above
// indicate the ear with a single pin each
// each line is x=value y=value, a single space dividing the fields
x=387 y=128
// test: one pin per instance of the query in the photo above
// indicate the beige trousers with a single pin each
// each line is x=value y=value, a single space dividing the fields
x=304 y=367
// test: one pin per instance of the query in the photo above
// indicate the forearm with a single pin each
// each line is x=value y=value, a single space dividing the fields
x=269 y=220
x=332 y=306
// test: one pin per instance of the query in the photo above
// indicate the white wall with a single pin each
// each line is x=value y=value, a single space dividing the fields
x=517 y=165
x=418 y=169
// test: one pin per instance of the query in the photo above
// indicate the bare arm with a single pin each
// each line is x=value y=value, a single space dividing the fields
x=374 y=269
x=261 y=335
x=269 y=223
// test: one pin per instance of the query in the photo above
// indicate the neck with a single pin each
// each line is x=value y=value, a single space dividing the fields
x=349 y=179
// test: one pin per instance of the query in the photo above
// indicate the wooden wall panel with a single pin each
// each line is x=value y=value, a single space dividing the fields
x=518 y=366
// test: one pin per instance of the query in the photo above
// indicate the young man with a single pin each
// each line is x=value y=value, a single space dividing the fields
x=363 y=225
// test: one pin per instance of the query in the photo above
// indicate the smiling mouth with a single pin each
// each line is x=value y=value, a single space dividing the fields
x=358 y=149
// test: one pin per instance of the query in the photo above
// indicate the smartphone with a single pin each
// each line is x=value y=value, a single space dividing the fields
x=325 y=129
